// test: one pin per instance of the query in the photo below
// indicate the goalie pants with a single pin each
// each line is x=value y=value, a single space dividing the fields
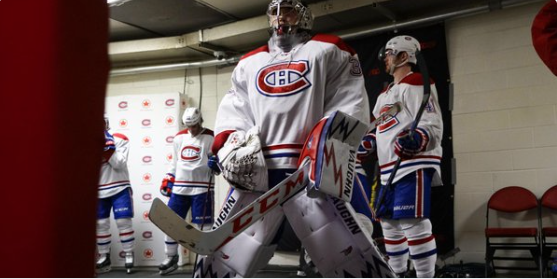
x=329 y=232
x=122 y=207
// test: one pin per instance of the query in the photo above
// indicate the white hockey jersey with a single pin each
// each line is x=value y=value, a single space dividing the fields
x=286 y=94
x=189 y=162
x=114 y=173
x=409 y=92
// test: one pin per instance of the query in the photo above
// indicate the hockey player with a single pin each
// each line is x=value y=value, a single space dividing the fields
x=115 y=193
x=405 y=210
x=279 y=93
x=188 y=180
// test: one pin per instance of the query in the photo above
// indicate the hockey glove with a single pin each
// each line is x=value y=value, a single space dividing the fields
x=407 y=146
x=367 y=147
x=242 y=161
x=108 y=141
x=109 y=146
x=213 y=164
x=167 y=184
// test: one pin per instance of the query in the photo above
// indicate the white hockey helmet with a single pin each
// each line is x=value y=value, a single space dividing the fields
x=191 y=117
x=304 y=17
x=406 y=44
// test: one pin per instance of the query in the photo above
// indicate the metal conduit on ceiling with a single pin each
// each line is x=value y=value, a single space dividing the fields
x=355 y=35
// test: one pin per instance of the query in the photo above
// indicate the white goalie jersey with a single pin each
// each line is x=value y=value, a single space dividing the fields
x=286 y=94
x=114 y=173
x=409 y=92
x=189 y=162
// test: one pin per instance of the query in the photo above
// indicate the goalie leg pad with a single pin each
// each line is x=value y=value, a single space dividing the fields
x=248 y=252
x=333 y=238
x=103 y=236
x=125 y=228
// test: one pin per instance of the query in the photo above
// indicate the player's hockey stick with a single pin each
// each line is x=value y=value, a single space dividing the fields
x=206 y=242
x=427 y=92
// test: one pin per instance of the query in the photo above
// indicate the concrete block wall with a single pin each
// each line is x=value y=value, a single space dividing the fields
x=504 y=118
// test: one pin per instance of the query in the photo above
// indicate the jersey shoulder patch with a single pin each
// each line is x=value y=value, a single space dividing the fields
x=264 y=48
x=335 y=40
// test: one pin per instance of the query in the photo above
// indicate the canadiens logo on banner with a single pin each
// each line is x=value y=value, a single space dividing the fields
x=283 y=79
x=147 y=197
x=169 y=139
x=123 y=105
x=147 y=234
x=146 y=122
x=169 y=102
x=388 y=121
x=191 y=153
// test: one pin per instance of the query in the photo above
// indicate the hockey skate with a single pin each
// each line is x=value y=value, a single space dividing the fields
x=129 y=262
x=168 y=265
x=103 y=264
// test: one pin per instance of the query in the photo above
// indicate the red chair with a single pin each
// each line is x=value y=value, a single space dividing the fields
x=548 y=231
x=520 y=207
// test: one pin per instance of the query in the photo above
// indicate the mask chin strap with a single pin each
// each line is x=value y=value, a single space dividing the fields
x=394 y=67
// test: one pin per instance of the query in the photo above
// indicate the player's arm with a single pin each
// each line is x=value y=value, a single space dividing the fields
x=169 y=178
x=429 y=131
x=119 y=160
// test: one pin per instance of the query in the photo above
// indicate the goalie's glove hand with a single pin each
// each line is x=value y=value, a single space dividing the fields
x=213 y=164
x=167 y=184
x=367 y=147
x=242 y=161
x=407 y=146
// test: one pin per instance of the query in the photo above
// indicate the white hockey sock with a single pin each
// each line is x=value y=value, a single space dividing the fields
x=103 y=236
x=125 y=229
x=423 y=249
x=396 y=245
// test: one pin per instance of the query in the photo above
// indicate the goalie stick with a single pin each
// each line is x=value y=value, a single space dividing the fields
x=427 y=92
x=207 y=242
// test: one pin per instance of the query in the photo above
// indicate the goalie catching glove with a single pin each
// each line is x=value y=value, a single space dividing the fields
x=407 y=146
x=167 y=184
x=242 y=161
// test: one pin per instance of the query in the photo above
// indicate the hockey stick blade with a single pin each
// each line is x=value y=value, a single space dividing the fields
x=207 y=242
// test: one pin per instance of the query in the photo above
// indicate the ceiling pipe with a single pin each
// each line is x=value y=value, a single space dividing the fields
x=348 y=36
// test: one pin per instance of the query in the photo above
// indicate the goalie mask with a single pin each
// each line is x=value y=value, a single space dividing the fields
x=289 y=17
x=400 y=44
x=191 y=117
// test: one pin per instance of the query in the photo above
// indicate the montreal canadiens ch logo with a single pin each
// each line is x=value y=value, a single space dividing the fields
x=283 y=79
x=191 y=153
x=388 y=121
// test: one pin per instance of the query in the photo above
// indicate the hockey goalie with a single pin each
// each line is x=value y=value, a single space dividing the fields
x=279 y=93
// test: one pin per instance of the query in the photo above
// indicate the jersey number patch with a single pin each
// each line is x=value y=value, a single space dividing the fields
x=283 y=79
